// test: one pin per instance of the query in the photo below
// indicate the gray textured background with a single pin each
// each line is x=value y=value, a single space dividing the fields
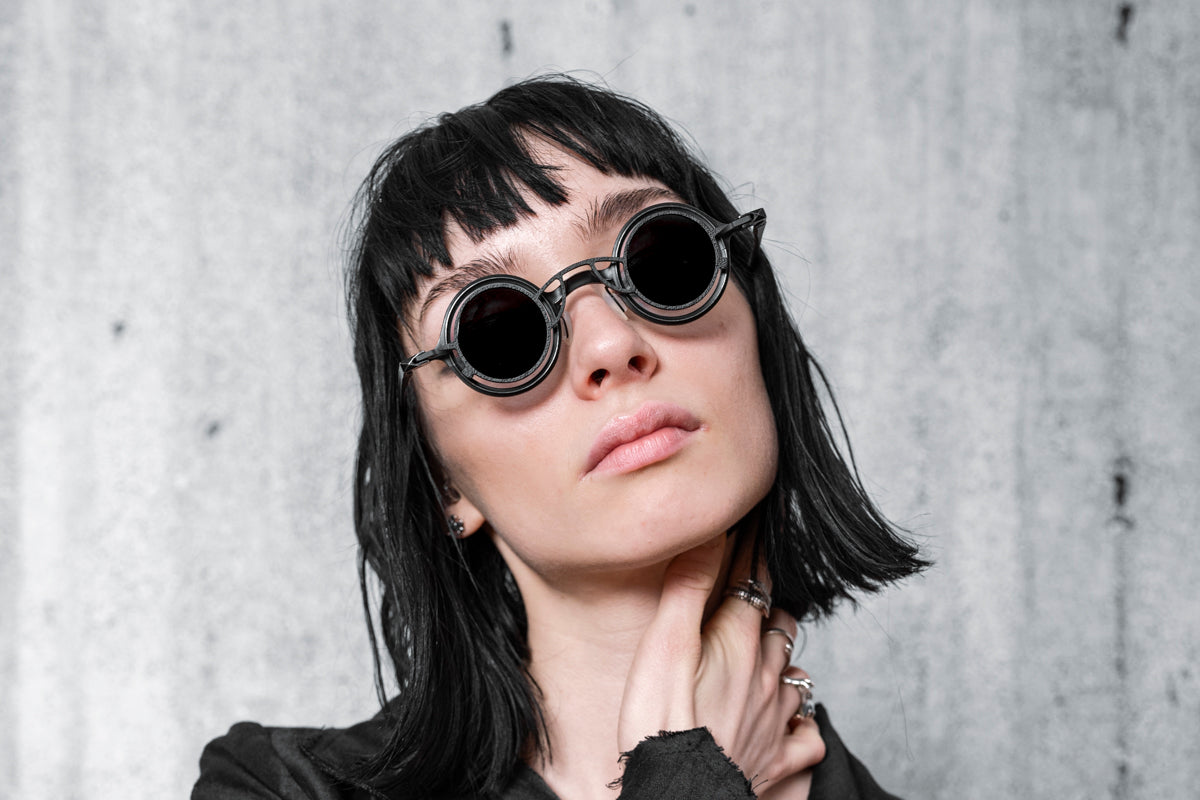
x=987 y=214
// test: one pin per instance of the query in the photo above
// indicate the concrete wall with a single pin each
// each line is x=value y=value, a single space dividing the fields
x=988 y=215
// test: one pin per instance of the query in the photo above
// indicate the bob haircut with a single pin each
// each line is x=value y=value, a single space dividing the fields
x=451 y=617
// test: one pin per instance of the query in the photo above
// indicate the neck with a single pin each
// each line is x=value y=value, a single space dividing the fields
x=582 y=637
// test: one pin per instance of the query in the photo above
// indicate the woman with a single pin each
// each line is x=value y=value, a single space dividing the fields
x=592 y=456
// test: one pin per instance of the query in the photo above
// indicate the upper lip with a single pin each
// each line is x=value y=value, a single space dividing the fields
x=625 y=428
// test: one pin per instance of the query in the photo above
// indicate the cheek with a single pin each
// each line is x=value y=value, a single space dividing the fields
x=762 y=440
x=455 y=438
x=495 y=457
x=753 y=405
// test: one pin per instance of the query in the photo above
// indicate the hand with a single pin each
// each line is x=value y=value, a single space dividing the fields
x=724 y=677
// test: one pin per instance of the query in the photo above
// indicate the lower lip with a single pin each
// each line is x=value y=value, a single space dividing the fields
x=649 y=449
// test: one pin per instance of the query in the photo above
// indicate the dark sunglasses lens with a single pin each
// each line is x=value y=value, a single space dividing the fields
x=502 y=333
x=671 y=261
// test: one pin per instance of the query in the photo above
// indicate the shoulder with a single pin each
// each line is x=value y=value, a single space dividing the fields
x=254 y=761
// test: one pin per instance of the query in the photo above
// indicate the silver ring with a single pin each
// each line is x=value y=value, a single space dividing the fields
x=787 y=639
x=752 y=592
x=808 y=707
x=803 y=683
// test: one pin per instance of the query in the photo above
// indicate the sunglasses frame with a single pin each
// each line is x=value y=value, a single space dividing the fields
x=551 y=297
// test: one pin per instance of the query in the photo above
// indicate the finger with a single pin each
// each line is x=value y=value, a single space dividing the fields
x=803 y=748
x=800 y=750
x=795 y=697
x=779 y=636
x=739 y=604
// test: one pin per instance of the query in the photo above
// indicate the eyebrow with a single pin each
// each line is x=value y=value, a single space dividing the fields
x=601 y=215
x=501 y=263
x=618 y=207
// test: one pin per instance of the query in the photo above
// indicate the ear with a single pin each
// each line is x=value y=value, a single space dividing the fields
x=463 y=509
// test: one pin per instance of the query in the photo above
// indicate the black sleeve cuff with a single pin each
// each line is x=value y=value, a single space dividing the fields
x=682 y=765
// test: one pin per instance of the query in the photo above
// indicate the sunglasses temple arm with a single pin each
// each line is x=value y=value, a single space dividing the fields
x=422 y=358
x=756 y=219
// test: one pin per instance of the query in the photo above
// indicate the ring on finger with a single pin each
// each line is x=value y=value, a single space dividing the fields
x=804 y=684
x=788 y=641
x=752 y=592
x=808 y=707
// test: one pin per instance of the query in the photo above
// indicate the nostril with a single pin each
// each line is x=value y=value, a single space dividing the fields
x=598 y=376
x=638 y=364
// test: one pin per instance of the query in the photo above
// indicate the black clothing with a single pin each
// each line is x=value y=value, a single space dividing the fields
x=256 y=763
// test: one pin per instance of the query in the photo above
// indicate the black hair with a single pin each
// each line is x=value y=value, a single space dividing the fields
x=451 y=617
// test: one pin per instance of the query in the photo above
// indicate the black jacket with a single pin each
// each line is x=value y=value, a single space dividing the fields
x=256 y=763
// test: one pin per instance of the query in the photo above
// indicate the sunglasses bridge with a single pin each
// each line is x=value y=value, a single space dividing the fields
x=554 y=291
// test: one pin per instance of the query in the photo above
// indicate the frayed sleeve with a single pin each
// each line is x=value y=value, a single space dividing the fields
x=682 y=765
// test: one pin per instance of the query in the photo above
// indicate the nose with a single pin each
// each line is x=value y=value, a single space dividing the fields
x=606 y=349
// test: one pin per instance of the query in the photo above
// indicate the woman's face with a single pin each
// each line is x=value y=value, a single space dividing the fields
x=684 y=406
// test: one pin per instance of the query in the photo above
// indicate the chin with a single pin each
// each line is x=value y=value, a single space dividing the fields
x=666 y=537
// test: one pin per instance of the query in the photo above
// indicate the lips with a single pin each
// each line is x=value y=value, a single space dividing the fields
x=653 y=433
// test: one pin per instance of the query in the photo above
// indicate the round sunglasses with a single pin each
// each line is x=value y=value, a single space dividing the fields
x=501 y=333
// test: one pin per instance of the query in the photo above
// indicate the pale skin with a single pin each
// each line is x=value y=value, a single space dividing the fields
x=622 y=571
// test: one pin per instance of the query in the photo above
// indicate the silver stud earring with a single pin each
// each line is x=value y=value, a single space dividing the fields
x=456 y=526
